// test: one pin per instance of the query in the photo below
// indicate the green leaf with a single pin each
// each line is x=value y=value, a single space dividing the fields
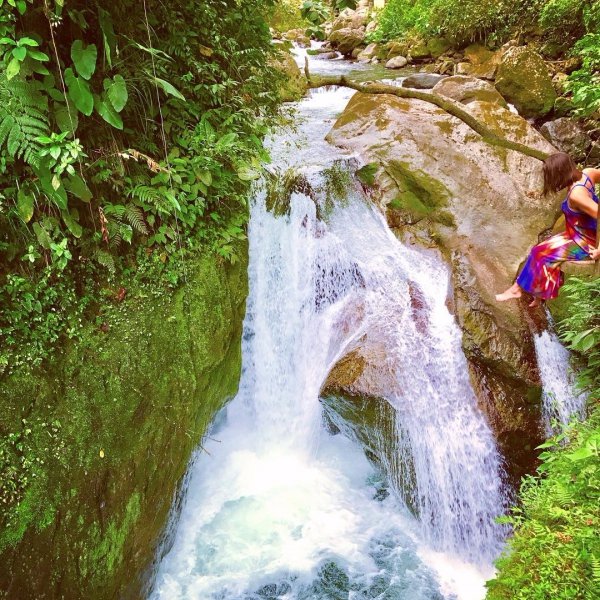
x=67 y=118
x=13 y=69
x=42 y=236
x=77 y=186
x=117 y=93
x=25 y=205
x=79 y=92
x=57 y=195
x=168 y=88
x=205 y=177
x=84 y=58
x=27 y=41
x=247 y=174
x=72 y=225
x=105 y=109
x=37 y=55
x=109 y=38
x=20 y=52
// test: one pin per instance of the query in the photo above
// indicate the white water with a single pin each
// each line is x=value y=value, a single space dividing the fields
x=279 y=508
x=562 y=402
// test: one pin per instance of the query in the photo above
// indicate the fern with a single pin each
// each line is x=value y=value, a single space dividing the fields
x=106 y=260
x=135 y=217
x=23 y=118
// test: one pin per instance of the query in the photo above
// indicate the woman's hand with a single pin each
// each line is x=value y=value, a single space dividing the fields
x=595 y=254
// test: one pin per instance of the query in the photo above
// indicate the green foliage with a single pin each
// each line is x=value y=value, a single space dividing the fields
x=316 y=12
x=122 y=139
x=555 y=550
x=585 y=82
x=285 y=15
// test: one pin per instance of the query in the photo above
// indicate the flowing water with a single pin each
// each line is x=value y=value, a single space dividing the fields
x=562 y=402
x=280 y=507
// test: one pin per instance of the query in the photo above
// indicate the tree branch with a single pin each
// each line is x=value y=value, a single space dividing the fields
x=447 y=105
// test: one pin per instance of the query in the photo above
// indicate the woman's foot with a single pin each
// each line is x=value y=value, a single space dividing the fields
x=512 y=293
x=535 y=303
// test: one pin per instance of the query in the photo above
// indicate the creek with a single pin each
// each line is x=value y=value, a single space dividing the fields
x=283 y=501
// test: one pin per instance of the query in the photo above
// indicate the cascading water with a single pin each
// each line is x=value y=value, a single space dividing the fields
x=279 y=508
x=561 y=401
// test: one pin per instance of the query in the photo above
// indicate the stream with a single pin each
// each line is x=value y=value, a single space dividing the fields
x=283 y=503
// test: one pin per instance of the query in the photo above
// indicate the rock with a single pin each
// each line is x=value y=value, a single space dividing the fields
x=368 y=53
x=594 y=153
x=566 y=135
x=350 y=19
x=422 y=81
x=356 y=51
x=396 y=49
x=463 y=68
x=524 y=81
x=477 y=54
x=559 y=82
x=294 y=85
x=468 y=89
x=297 y=35
x=396 y=63
x=429 y=68
x=346 y=40
x=483 y=207
x=437 y=46
x=419 y=52
x=445 y=66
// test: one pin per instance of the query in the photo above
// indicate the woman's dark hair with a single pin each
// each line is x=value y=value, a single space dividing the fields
x=560 y=171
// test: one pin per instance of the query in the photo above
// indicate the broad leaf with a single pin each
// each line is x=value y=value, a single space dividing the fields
x=79 y=92
x=105 y=109
x=77 y=186
x=72 y=225
x=117 y=93
x=42 y=236
x=84 y=58
x=14 y=66
x=67 y=119
x=168 y=88
x=25 y=205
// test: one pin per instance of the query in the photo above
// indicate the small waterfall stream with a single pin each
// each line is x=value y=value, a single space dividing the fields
x=279 y=507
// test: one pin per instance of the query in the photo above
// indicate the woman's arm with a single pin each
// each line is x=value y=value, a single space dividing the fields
x=581 y=200
x=593 y=174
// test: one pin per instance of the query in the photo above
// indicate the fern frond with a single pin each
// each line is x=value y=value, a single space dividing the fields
x=135 y=217
x=23 y=118
x=106 y=260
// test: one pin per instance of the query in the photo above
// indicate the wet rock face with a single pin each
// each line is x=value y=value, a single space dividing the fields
x=566 y=135
x=294 y=85
x=466 y=89
x=523 y=79
x=440 y=184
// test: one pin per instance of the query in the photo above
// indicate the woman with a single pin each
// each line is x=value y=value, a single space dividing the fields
x=541 y=275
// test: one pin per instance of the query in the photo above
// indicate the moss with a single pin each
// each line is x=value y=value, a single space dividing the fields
x=133 y=402
x=420 y=196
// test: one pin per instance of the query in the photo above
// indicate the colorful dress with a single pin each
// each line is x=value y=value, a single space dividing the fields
x=541 y=275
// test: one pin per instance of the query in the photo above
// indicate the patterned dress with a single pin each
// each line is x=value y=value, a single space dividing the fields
x=541 y=275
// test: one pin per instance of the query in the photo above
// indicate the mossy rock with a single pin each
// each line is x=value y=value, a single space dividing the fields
x=294 y=84
x=437 y=46
x=133 y=400
x=523 y=79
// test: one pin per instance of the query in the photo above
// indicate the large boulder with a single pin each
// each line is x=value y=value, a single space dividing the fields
x=346 y=40
x=437 y=46
x=422 y=81
x=297 y=35
x=350 y=19
x=294 y=84
x=466 y=89
x=483 y=207
x=566 y=135
x=398 y=62
x=523 y=79
x=396 y=49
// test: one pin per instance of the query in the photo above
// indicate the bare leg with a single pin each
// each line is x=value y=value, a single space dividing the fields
x=513 y=292
x=535 y=303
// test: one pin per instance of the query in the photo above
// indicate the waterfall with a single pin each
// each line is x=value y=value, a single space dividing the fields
x=279 y=507
x=561 y=402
